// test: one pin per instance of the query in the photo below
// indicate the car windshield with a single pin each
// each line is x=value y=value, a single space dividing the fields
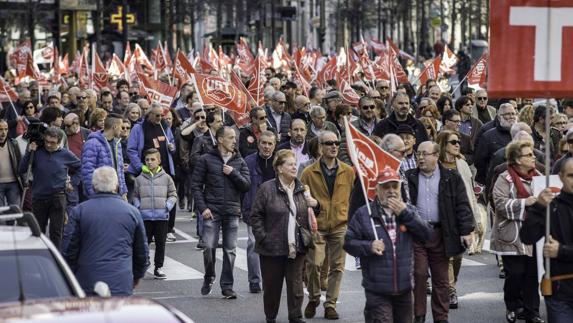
x=40 y=275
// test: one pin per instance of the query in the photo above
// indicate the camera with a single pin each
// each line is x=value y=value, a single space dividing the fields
x=35 y=131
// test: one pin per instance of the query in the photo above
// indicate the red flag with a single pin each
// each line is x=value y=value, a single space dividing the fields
x=116 y=67
x=431 y=71
x=182 y=68
x=127 y=54
x=280 y=57
x=31 y=69
x=257 y=83
x=349 y=96
x=7 y=93
x=477 y=75
x=142 y=59
x=328 y=72
x=399 y=73
x=83 y=70
x=368 y=158
x=157 y=91
x=236 y=80
x=99 y=73
x=56 y=74
x=378 y=47
x=244 y=60
x=65 y=65
x=19 y=58
x=449 y=59
x=224 y=60
x=214 y=90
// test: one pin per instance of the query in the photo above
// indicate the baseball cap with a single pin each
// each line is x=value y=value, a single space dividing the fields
x=404 y=128
x=332 y=95
x=388 y=175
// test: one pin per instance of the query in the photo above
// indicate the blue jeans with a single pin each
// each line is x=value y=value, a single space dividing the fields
x=253 y=260
x=558 y=311
x=211 y=228
x=10 y=192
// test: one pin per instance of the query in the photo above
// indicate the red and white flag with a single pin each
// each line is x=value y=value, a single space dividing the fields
x=328 y=72
x=368 y=158
x=56 y=73
x=44 y=55
x=7 y=93
x=99 y=73
x=244 y=59
x=19 y=58
x=431 y=71
x=65 y=65
x=141 y=59
x=280 y=56
x=32 y=71
x=116 y=67
x=241 y=119
x=378 y=47
x=257 y=83
x=215 y=90
x=157 y=91
x=449 y=59
x=396 y=67
x=478 y=74
x=182 y=68
x=127 y=54
x=349 y=96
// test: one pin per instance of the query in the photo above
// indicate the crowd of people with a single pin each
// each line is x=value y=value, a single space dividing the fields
x=111 y=169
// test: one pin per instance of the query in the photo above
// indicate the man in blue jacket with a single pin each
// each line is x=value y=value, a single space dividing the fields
x=103 y=148
x=105 y=239
x=51 y=166
x=383 y=241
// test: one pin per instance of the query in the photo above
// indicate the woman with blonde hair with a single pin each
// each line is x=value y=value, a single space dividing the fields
x=430 y=126
x=97 y=119
x=526 y=114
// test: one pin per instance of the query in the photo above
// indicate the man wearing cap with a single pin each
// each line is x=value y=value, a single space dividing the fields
x=278 y=118
x=382 y=236
x=401 y=116
x=409 y=137
x=330 y=101
x=440 y=197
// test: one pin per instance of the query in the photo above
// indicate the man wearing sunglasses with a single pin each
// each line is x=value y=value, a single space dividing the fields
x=334 y=201
x=277 y=117
x=481 y=110
x=249 y=135
x=367 y=121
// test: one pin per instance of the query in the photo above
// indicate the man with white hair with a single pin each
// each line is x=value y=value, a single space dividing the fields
x=119 y=262
x=277 y=117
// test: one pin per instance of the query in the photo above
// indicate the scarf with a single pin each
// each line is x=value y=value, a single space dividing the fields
x=517 y=177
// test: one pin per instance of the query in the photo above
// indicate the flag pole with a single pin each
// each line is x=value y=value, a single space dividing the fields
x=460 y=84
x=546 y=281
x=4 y=85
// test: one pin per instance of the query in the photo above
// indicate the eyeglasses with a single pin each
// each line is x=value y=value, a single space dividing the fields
x=262 y=118
x=71 y=125
x=509 y=114
x=400 y=151
x=424 y=154
x=330 y=143
x=157 y=115
x=481 y=98
x=455 y=121
x=454 y=142
x=368 y=107
x=133 y=94
x=530 y=155
x=200 y=118
x=422 y=107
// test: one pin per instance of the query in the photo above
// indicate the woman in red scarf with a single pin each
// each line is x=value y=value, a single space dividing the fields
x=512 y=195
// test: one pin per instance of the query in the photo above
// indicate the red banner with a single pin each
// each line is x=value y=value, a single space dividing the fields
x=257 y=83
x=368 y=158
x=182 y=68
x=158 y=91
x=531 y=48
x=349 y=96
x=19 y=58
x=431 y=71
x=244 y=60
x=477 y=75
x=214 y=90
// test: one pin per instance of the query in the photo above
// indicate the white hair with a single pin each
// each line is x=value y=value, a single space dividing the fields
x=105 y=180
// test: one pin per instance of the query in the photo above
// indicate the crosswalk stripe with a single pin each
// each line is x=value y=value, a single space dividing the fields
x=350 y=264
x=240 y=258
x=174 y=269
x=185 y=235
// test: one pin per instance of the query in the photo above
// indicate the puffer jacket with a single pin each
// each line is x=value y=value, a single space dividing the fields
x=135 y=145
x=256 y=181
x=391 y=273
x=509 y=217
x=270 y=216
x=96 y=153
x=213 y=190
x=283 y=128
x=154 y=194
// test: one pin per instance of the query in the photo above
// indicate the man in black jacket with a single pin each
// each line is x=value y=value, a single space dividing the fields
x=401 y=115
x=560 y=245
x=440 y=196
x=220 y=178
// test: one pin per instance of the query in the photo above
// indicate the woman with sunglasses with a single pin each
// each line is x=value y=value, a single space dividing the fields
x=451 y=157
x=29 y=111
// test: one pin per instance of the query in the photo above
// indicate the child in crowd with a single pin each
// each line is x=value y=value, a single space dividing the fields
x=155 y=195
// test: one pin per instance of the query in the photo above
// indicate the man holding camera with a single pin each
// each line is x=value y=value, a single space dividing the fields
x=50 y=166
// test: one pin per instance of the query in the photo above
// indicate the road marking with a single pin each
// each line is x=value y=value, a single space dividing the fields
x=240 y=258
x=350 y=264
x=174 y=269
x=185 y=235
x=471 y=263
x=482 y=296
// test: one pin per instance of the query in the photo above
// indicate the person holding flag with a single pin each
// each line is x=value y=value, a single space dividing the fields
x=382 y=236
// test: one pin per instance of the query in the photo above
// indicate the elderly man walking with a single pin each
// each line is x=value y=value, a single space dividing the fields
x=105 y=239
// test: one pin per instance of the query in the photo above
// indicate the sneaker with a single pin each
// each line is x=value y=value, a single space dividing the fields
x=453 y=301
x=310 y=310
x=159 y=274
x=229 y=294
x=255 y=288
x=330 y=313
x=207 y=286
x=182 y=204
x=171 y=237
x=357 y=263
x=428 y=287
x=200 y=245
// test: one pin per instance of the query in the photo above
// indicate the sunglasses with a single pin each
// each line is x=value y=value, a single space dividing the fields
x=158 y=115
x=200 y=118
x=368 y=107
x=455 y=121
x=125 y=128
x=454 y=142
x=384 y=87
x=262 y=118
x=570 y=141
x=30 y=107
x=331 y=143
x=482 y=98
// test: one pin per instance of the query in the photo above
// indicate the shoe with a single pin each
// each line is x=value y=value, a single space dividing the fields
x=310 y=310
x=453 y=301
x=536 y=319
x=200 y=245
x=357 y=263
x=298 y=320
x=255 y=288
x=510 y=316
x=193 y=215
x=420 y=319
x=271 y=321
x=171 y=237
x=428 y=288
x=330 y=313
x=159 y=274
x=207 y=286
x=229 y=294
x=182 y=205
x=501 y=273
x=323 y=285
x=520 y=314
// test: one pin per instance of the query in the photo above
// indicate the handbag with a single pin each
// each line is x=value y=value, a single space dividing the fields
x=303 y=237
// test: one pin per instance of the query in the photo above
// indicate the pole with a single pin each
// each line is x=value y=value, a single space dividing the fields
x=124 y=11
x=548 y=144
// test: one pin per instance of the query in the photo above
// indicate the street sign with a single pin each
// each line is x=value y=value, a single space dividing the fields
x=531 y=48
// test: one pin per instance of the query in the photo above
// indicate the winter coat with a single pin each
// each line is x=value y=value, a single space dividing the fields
x=490 y=110
x=270 y=216
x=105 y=240
x=390 y=125
x=533 y=229
x=362 y=126
x=392 y=272
x=454 y=209
x=256 y=181
x=96 y=153
x=333 y=210
x=213 y=190
x=489 y=143
x=283 y=128
x=135 y=147
x=509 y=217
x=154 y=194
x=15 y=158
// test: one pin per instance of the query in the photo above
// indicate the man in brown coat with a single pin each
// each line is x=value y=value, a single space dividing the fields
x=330 y=182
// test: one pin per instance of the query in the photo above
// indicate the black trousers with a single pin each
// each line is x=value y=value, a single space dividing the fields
x=521 y=288
x=274 y=271
x=158 y=231
x=388 y=308
x=54 y=210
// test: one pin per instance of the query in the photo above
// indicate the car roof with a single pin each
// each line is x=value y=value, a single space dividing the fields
x=22 y=236
x=93 y=309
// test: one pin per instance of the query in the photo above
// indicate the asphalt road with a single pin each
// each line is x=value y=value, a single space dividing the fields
x=480 y=290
